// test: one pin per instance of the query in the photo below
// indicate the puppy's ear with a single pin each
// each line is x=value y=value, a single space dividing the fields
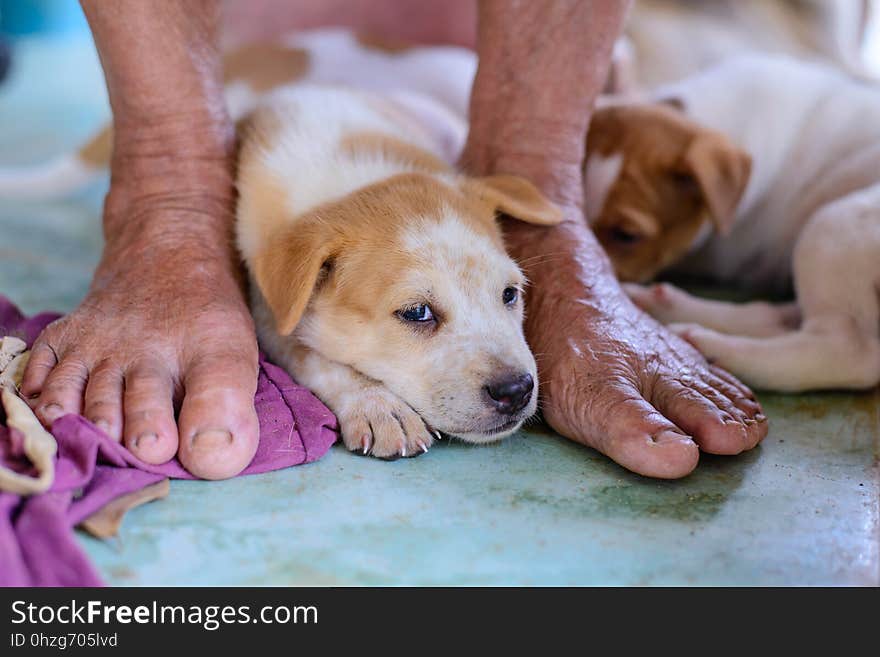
x=519 y=198
x=721 y=171
x=289 y=268
x=633 y=225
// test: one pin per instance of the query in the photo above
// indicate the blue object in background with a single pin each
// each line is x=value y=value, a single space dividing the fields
x=45 y=17
x=5 y=58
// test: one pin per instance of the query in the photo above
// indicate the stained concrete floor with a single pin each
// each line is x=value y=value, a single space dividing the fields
x=800 y=510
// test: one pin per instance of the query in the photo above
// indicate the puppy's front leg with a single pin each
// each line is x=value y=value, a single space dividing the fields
x=372 y=419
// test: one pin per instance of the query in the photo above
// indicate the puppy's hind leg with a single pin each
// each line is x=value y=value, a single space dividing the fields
x=671 y=305
x=826 y=353
x=837 y=279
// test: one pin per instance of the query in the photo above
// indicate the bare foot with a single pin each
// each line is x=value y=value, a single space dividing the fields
x=610 y=376
x=164 y=329
x=162 y=352
x=613 y=378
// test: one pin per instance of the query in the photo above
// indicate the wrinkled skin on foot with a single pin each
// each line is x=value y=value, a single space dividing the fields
x=614 y=379
x=610 y=376
x=163 y=332
x=162 y=353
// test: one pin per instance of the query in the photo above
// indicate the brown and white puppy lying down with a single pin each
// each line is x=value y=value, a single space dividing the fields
x=379 y=278
x=768 y=177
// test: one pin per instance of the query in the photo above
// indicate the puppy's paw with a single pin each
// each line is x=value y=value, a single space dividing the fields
x=377 y=422
x=664 y=302
x=650 y=298
x=697 y=336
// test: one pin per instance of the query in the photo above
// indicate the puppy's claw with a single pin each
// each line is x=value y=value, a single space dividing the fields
x=422 y=445
x=367 y=444
x=437 y=433
x=403 y=450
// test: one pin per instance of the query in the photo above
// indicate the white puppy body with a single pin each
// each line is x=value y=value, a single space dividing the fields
x=674 y=39
x=810 y=216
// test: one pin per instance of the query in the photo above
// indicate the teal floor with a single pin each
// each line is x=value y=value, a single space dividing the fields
x=801 y=509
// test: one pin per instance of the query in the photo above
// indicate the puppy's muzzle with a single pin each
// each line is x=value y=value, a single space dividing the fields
x=512 y=393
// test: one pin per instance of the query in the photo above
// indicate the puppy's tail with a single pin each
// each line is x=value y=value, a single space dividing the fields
x=61 y=176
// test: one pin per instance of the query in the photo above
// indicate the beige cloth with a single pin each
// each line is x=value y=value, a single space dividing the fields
x=106 y=522
x=39 y=445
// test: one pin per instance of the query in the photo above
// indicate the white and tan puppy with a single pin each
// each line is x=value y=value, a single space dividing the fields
x=380 y=278
x=808 y=217
x=378 y=274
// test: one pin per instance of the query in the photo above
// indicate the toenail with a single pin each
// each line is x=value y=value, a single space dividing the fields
x=749 y=421
x=145 y=440
x=211 y=438
x=739 y=427
x=103 y=425
x=760 y=417
x=51 y=412
x=667 y=436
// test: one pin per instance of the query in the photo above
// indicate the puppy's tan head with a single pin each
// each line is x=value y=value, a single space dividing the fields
x=652 y=179
x=407 y=281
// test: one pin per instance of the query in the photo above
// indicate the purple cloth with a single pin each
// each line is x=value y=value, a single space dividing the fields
x=37 y=545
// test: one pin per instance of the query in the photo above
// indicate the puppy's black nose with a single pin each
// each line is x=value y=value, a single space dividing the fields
x=511 y=393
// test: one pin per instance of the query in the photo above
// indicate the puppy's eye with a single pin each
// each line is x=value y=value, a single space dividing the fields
x=509 y=296
x=624 y=236
x=421 y=313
